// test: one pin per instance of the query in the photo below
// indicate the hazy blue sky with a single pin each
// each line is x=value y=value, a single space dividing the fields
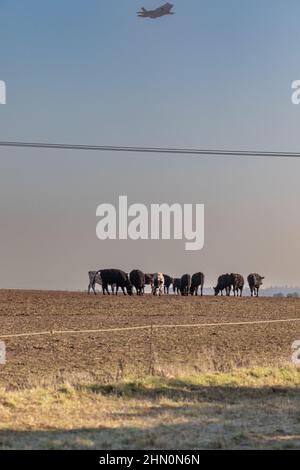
x=216 y=74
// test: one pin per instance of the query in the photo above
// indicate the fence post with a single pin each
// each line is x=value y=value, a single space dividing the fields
x=151 y=369
x=52 y=346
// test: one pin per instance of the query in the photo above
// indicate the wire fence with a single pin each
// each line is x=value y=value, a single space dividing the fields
x=147 y=327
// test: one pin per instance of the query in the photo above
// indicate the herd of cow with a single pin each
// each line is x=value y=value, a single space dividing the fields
x=160 y=283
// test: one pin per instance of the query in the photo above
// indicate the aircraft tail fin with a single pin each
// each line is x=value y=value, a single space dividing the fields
x=142 y=13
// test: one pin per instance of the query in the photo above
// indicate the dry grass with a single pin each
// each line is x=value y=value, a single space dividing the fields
x=247 y=408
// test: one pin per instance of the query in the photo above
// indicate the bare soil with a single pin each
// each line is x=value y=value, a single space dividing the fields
x=108 y=355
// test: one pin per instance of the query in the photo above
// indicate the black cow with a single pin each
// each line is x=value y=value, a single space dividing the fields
x=137 y=279
x=95 y=278
x=168 y=283
x=254 y=281
x=117 y=277
x=237 y=282
x=224 y=283
x=197 y=281
x=176 y=285
x=149 y=280
x=185 y=284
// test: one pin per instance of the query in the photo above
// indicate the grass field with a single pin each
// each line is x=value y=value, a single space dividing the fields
x=256 y=408
x=211 y=387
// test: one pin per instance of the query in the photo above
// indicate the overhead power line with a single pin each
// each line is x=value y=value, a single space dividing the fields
x=161 y=150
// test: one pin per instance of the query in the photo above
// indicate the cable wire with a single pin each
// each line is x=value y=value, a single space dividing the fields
x=161 y=150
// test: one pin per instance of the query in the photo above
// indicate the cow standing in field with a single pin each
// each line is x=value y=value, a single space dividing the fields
x=237 y=282
x=158 y=284
x=137 y=279
x=197 y=281
x=117 y=277
x=224 y=283
x=167 y=284
x=185 y=284
x=94 y=278
x=149 y=280
x=176 y=286
x=254 y=281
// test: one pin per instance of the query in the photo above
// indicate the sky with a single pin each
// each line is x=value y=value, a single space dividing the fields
x=214 y=75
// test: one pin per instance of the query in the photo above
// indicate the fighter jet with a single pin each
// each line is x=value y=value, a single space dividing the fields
x=153 y=14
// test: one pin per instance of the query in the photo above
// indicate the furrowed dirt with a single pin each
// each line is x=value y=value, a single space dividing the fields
x=107 y=355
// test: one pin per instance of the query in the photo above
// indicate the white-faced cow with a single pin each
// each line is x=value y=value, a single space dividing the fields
x=158 y=284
